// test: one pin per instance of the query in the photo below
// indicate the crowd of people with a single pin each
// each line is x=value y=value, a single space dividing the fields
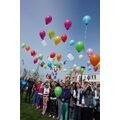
x=78 y=101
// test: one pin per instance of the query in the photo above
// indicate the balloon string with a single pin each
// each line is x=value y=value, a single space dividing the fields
x=85 y=37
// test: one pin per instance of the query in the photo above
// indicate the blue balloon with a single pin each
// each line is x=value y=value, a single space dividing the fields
x=86 y=19
x=72 y=42
x=89 y=68
x=49 y=64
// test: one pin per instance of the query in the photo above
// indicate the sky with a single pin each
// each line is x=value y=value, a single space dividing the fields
x=32 y=20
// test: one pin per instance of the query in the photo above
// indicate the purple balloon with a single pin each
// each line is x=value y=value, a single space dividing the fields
x=89 y=52
x=48 y=20
x=67 y=24
x=42 y=34
x=88 y=63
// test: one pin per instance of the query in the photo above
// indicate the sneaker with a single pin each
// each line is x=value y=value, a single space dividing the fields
x=49 y=115
x=53 y=116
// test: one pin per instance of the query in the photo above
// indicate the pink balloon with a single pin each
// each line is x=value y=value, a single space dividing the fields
x=35 y=60
x=67 y=24
x=42 y=34
x=77 y=69
x=88 y=63
x=48 y=20
x=89 y=52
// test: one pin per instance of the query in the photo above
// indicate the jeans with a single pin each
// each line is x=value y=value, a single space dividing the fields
x=64 y=111
x=39 y=100
x=35 y=98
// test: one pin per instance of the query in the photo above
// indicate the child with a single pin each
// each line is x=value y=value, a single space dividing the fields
x=88 y=104
x=72 y=102
x=53 y=101
x=65 y=98
x=46 y=91
x=40 y=95
x=78 y=95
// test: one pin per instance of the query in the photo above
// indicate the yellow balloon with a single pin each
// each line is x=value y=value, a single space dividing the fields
x=98 y=65
x=57 y=40
x=60 y=68
x=51 y=34
x=71 y=70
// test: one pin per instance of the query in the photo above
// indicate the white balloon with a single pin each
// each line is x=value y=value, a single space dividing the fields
x=81 y=57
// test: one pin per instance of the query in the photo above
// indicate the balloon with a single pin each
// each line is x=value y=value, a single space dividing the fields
x=49 y=64
x=45 y=66
x=27 y=47
x=49 y=76
x=40 y=56
x=51 y=34
x=71 y=70
x=86 y=19
x=70 y=56
x=55 y=63
x=77 y=69
x=72 y=42
x=60 y=68
x=48 y=19
x=82 y=70
x=23 y=45
x=58 y=91
x=98 y=65
x=90 y=52
x=81 y=57
x=95 y=68
x=64 y=38
x=59 y=56
x=89 y=68
x=52 y=55
x=88 y=63
x=74 y=66
x=94 y=59
x=64 y=70
x=67 y=24
x=57 y=40
x=33 y=53
x=42 y=34
x=79 y=46
x=35 y=60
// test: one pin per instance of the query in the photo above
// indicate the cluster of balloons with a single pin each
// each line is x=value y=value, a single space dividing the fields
x=58 y=56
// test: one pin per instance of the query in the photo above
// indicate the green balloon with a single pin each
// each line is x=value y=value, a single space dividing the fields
x=55 y=63
x=23 y=45
x=51 y=34
x=79 y=46
x=82 y=70
x=40 y=56
x=71 y=70
x=58 y=91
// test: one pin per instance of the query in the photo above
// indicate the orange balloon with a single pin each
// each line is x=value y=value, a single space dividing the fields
x=27 y=48
x=94 y=59
x=59 y=56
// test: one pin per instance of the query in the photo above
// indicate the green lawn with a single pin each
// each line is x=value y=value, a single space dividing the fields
x=28 y=112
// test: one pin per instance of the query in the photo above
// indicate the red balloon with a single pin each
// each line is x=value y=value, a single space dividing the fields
x=35 y=60
x=48 y=19
x=94 y=59
x=64 y=38
x=33 y=53
x=52 y=55
x=95 y=68
x=49 y=76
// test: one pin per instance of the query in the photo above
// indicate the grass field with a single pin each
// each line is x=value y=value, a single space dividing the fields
x=28 y=112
